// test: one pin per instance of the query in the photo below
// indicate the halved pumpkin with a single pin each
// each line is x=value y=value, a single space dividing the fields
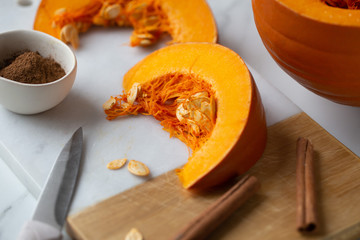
x=316 y=44
x=185 y=21
x=225 y=143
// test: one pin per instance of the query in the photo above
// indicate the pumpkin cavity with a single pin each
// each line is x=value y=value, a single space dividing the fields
x=346 y=4
x=184 y=104
x=145 y=16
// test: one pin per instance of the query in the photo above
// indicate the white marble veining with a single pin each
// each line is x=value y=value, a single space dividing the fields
x=16 y=203
x=35 y=141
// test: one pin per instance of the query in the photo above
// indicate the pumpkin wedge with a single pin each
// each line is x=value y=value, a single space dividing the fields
x=185 y=21
x=203 y=94
x=315 y=43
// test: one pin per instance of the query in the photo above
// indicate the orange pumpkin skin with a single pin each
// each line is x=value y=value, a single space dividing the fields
x=239 y=135
x=316 y=44
x=245 y=153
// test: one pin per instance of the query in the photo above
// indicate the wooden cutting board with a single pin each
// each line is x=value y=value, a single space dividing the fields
x=160 y=207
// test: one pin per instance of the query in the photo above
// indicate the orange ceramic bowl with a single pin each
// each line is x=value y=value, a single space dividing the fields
x=314 y=43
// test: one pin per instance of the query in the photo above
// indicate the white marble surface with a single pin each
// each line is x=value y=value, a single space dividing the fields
x=32 y=143
x=16 y=203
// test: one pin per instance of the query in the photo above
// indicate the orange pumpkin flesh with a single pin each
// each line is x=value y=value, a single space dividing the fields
x=316 y=44
x=180 y=21
x=238 y=138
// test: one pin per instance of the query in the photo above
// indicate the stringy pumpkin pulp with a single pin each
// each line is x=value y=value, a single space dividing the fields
x=184 y=105
x=347 y=4
x=145 y=16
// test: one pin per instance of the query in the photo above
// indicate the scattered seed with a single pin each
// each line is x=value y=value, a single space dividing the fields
x=138 y=168
x=116 y=164
x=134 y=234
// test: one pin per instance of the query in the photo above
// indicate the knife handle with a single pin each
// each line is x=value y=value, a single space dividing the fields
x=34 y=230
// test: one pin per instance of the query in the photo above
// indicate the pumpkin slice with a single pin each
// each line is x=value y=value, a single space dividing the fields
x=315 y=43
x=203 y=94
x=185 y=21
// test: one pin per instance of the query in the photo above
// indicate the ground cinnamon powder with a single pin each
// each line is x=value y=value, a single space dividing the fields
x=31 y=67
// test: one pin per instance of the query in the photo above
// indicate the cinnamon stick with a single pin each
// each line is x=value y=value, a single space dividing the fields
x=306 y=213
x=212 y=217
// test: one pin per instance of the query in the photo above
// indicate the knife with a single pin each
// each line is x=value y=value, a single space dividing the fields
x=53 y=205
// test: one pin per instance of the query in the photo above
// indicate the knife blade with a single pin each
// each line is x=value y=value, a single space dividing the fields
x=54 y=201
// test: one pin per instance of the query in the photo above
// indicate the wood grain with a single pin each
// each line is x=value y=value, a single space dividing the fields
x=160 y=207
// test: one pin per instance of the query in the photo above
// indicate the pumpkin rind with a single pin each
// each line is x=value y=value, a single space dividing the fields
x=238 y=138
x=186 y=26
x=46 y=9
x=316 y=44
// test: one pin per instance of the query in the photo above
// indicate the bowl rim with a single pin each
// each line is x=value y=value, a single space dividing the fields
x=43 y=35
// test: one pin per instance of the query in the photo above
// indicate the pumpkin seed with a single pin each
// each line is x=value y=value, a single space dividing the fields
x=198 y=111
x=109 y=103
x=145 y=42
x=194 y=127
x=60 y=11
x=145 y=36
x=137 y=10
x=111 y=12
x=181 y=112
x=69 y=34
x=151 y=20
x=134 y=234
x=133 y=93
x=198 y=116
x=146 y=39
x=138 y=168
x=180 y=100
x=116 y=164
x=123 y=107
x=200 y=95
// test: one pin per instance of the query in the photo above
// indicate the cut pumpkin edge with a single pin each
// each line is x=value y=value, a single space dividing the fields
x=162 y=62
x=320 y=11
x=185 y=26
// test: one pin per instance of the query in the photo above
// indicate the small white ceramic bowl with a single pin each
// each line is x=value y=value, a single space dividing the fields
x=26 y=98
